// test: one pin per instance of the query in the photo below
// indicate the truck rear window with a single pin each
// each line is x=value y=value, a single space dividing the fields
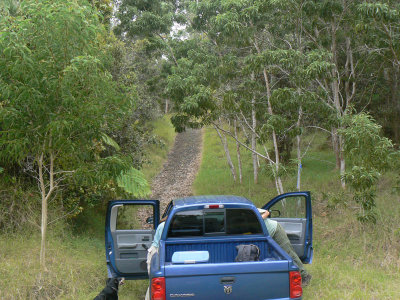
x=214 y=222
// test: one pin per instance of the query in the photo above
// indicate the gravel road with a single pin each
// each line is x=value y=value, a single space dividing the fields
x=179 y=171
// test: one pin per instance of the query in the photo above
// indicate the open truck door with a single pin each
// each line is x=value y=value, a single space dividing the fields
x=293 y=212
x=130 y=228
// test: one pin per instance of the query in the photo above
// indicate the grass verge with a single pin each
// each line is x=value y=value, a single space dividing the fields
x=157 y=154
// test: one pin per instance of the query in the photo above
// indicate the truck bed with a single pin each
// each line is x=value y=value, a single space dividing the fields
x=264 y=279
x=220 y=250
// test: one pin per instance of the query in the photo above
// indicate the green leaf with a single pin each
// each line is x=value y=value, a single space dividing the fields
x=134 y=183
x=110 y=142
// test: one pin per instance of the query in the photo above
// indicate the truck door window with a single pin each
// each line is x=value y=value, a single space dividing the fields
x=291 y=207
x=132 y=217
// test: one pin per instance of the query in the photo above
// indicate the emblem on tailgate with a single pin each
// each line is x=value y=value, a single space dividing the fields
x=227 y=289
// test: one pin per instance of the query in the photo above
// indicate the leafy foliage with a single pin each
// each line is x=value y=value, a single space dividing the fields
x=9 y=7
x=370 y=154
x=379 y=32
x=134 y=183
x=58 y=101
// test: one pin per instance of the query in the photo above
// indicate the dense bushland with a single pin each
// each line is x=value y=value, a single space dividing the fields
x=75 y=262
x=73 y=126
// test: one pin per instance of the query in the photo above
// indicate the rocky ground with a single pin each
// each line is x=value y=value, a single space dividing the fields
x=179 y=171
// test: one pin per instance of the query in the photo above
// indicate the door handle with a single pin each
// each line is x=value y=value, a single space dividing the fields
x=127 y=246
x=227 y=280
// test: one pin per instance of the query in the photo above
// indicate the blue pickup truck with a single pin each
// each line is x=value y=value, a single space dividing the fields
x=197 y=249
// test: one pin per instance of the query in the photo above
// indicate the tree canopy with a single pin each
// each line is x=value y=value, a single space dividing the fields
x=59 y=104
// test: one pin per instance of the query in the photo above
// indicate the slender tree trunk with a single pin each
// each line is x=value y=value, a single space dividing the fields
x=337 y=104
x=274 y=138
x=45 y=195
x=350 y=83
x=238 y=153
x=227 y=153
x=395 y=104
x=253 y=136
x=278 y=189
x=245 y=133
x=342 y=162
x=43 y=226
x=281 y=190
x=166 y=105
x=335 y=146
x=299 y=166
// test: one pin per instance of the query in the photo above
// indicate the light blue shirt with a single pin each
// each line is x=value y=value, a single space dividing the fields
x=157 y=235
x=271 y=226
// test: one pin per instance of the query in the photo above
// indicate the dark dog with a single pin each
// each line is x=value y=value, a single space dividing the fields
x=110 y=292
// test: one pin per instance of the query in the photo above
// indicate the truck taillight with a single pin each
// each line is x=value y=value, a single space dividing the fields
x=295 y=284
x=158 y=288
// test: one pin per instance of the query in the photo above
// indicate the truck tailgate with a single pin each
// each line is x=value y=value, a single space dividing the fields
x=244 y=280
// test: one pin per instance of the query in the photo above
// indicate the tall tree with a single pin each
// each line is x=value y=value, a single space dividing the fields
x=57 y=99
x=252 y=74
x=371 y=154
x=148 y=27
x=332 y=24
x=380 y=19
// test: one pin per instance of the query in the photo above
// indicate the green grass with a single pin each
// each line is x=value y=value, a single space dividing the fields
x=75 y=258
x=351 y=261
x=76 y=269
x=156 y=154
x=70 y=261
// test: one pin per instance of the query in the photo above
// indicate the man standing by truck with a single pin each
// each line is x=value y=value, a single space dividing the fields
x=277 y=232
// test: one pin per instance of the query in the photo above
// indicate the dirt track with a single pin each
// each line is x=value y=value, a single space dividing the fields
x=179 y=171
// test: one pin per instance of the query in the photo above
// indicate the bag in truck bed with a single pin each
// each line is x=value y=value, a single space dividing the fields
x=247 y=253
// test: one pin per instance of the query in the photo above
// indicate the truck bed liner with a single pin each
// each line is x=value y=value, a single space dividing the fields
x=220 y=251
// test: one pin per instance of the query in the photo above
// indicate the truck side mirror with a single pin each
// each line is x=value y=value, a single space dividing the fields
x=274 y=213
x=150 y=220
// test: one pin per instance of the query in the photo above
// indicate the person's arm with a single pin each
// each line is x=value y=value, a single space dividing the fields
x=154 y=245
x=265 y=214
x=157 y=235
